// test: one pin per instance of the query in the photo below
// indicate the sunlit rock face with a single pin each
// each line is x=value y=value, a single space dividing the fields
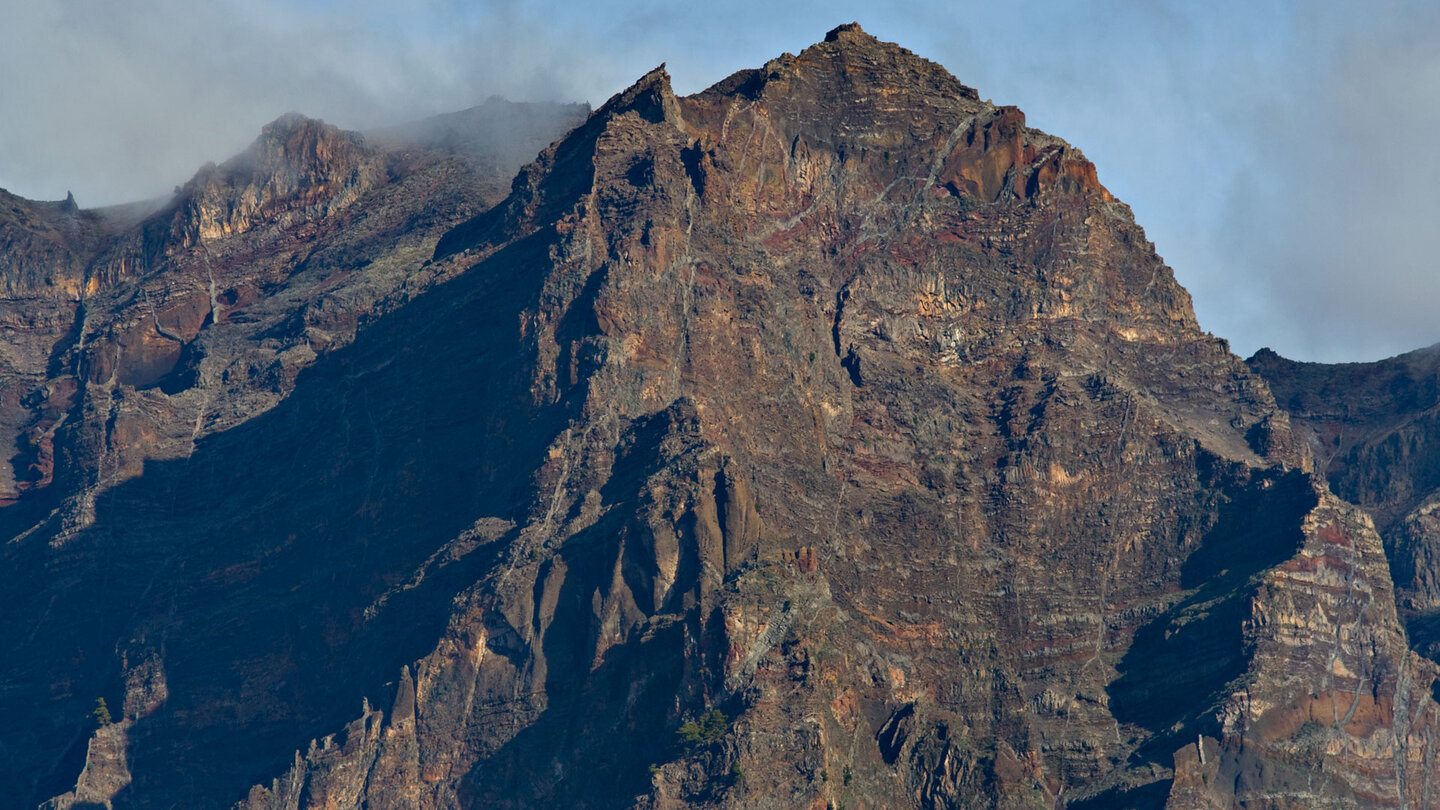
x=826 y=438
x=1374 y=429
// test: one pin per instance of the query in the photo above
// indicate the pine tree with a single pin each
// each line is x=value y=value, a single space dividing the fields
x=101 y=713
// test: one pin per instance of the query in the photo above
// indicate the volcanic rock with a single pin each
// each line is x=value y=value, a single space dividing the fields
x=826 y=438
x=1375 y=430
x=134 y=333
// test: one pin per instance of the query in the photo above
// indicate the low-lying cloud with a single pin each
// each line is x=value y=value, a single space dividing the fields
x=120 y=101
x=1337 y=215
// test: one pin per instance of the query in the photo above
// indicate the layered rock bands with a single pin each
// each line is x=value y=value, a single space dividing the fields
x=828 y=438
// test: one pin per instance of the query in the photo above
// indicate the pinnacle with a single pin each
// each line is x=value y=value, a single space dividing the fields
x=848 y=32
x=290 y=122
x=650 y=96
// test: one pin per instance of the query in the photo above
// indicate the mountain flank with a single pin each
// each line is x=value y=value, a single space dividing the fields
x=827 y=438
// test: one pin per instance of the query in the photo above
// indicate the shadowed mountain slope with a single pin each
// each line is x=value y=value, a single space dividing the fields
x=826 y=438
x=136 y=337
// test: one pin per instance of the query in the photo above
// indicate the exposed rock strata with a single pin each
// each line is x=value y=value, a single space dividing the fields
x=827 y=438
x=1375 y=429
x=135 y=333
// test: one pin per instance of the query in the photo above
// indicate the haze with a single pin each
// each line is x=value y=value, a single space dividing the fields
x=1279 y=153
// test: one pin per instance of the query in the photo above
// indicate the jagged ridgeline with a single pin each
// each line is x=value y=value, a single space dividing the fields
x=828 y=438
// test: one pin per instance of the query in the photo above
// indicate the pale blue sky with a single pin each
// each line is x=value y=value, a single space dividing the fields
x=1280 y=153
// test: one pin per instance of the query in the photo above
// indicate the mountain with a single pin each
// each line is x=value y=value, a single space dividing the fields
x=828 y=438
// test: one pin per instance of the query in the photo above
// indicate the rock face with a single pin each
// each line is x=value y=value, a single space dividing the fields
x=828 y=438
x=132 y=335
x=43 y=250
x=1375 y=429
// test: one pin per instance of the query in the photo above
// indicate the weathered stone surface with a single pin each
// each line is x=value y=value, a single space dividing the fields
x=826 y=438
x=43 y=250
x=140 y=331
x=1375 y=429
x=1335 y=710
x=1016 y=511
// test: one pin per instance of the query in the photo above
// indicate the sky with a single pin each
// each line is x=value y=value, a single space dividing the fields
x=1281 y=154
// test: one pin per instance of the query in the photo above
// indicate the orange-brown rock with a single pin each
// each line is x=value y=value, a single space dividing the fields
x=826 y=438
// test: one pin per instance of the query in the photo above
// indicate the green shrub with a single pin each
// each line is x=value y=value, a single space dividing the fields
x=101 y=713
x=710 y=728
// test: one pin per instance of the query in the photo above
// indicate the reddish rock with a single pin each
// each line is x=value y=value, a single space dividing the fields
x=828 y=437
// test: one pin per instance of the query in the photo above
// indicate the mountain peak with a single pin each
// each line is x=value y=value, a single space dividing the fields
x=851 y=64
x=651 y=96
x=849 y=32
x=291 y=121
x=296 y=162
x=300 y=140
x=786 y=405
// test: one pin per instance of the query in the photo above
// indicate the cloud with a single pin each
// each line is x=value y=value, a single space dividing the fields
x=1335 y=219
x=120 y=101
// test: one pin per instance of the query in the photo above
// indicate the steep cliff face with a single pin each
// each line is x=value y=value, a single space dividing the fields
x=1375 y=428
x=138 y=331
x=881 y=431
x=43 y=250
x=827 y=438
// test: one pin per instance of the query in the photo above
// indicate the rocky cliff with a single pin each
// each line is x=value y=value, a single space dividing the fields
x=828 y=438
x=134 y=333
x=1375 y=431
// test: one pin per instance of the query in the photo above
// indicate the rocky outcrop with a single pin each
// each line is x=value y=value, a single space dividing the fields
x=826 y=438
x=1335 y=710
x=43 y=251
x=1374 y=428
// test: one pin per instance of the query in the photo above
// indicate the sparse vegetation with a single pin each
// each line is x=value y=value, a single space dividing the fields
x=710 y=728
x=101 y=713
